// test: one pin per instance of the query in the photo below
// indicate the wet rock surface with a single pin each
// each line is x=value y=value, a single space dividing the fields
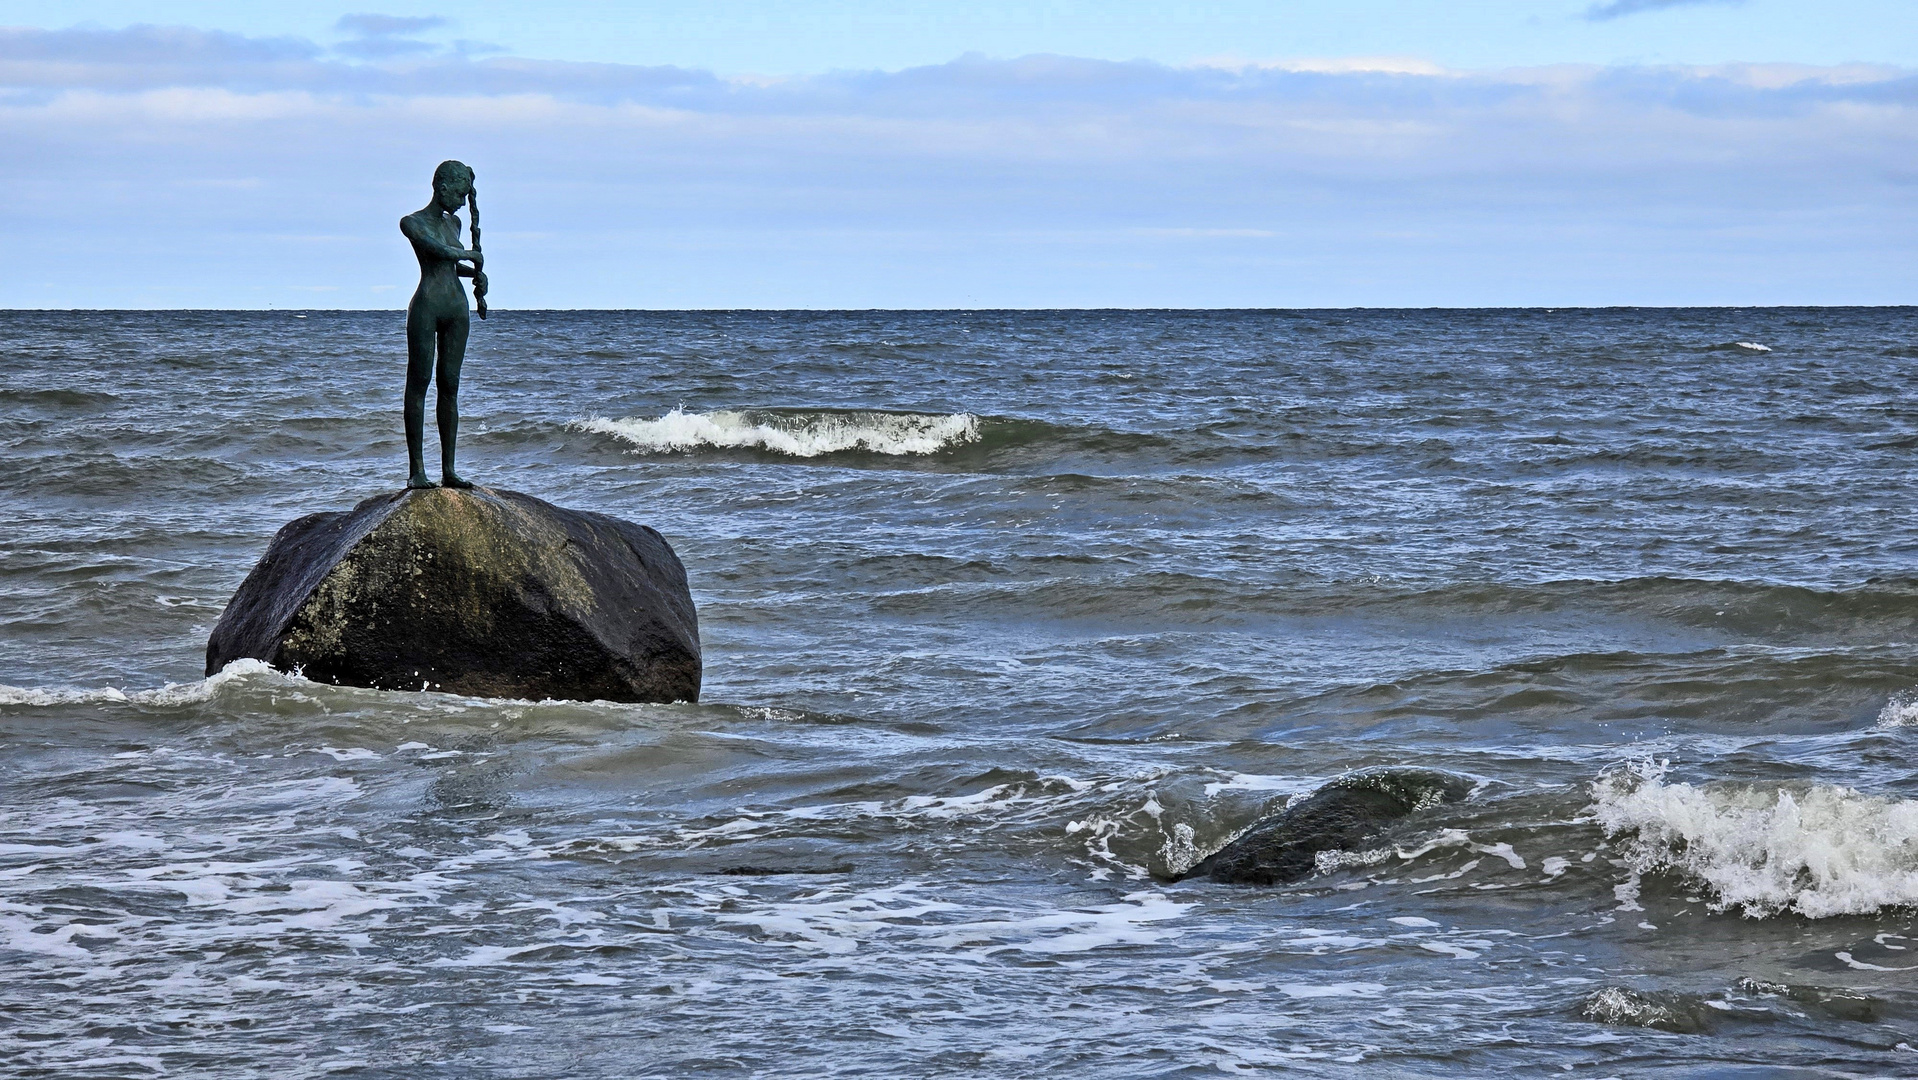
x=1346 y=813
x=485 y=592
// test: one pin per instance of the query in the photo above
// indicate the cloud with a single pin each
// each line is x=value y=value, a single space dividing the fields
x=1038 y=180
x=385 y=37
x=1618 y=9
x=384 y=48
x=177 y=49
x=372 y=25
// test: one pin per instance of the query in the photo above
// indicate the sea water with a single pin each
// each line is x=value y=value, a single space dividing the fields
x=1007 y=616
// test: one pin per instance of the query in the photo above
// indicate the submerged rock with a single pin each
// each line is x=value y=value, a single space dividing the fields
x=1624 y=1007
x=484 y=592
x=1344 y=814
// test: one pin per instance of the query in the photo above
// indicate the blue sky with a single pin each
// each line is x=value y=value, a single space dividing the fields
x=948 y=155
x=781 y=38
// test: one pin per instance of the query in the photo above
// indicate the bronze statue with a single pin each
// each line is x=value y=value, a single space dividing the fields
x=436 y=319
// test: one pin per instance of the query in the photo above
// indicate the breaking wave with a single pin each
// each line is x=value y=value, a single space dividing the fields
x=172 y=694
x=1622 y=1006
x=802 y=434
x=1812 y=849
x=1900 y=711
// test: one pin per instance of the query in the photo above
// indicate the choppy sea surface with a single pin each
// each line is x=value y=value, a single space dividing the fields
x=1006 y=616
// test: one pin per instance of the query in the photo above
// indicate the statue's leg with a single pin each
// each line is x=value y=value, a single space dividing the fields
x=420 y=339
x=452 y=354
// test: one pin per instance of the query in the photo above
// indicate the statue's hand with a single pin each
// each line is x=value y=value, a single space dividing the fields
x=479 y=285
x=479 y=260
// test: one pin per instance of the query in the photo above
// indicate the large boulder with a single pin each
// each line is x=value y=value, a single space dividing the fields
x=1344 y=815
x=483 y=592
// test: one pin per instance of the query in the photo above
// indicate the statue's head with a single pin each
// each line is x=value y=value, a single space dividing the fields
x=452 y=183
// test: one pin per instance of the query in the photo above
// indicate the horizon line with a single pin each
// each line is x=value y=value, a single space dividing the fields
x=967 y=310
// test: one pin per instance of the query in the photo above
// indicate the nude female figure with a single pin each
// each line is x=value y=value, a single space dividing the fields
x=436 y=319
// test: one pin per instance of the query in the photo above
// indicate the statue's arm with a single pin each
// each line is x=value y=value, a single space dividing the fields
x=425 y=242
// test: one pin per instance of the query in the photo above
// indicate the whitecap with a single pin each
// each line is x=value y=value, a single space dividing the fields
x=1752 y=346
x=172 y=694
x=1900 y=711
x=798 y=434
x=1813 y=849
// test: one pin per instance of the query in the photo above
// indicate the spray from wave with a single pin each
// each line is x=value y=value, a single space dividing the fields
x=1900 y=711
x=797 y=434
x=1813 y=849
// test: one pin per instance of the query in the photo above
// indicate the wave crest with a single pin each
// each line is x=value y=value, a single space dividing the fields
x=802 y=434
x=1816 y=850
x=1900 y=711
x=172 y=694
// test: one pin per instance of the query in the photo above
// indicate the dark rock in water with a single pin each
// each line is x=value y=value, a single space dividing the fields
x=1343 y=815
x=482 y=592
x=1624 y=1007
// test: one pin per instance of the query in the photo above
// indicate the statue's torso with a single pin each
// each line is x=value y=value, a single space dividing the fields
x=439 y=289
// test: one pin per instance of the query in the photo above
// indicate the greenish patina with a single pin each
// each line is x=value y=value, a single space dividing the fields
x=436 y=319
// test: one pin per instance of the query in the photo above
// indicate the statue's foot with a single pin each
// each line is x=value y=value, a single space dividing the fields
x=453 y=481
x=419 y=481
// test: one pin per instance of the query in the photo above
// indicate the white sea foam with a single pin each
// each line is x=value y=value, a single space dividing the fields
x=1815 y=850
x=1290 y=785
x=799 y=434
x=1019 y=800
x=1752 y=346
x=839 y=922
x=1624 y=1007
x=190 y=693
x=1900 y=711
x=1324 y=990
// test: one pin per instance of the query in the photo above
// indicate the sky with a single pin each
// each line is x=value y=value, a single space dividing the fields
x=1371 y=153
